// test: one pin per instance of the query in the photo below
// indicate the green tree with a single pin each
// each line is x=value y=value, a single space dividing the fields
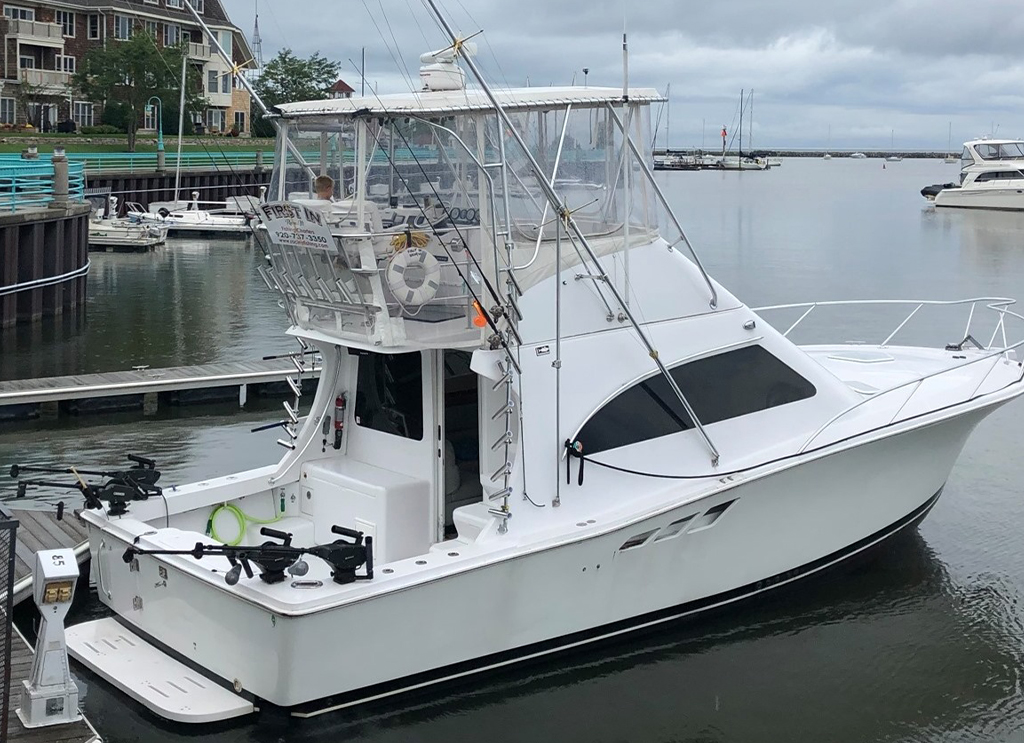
x=31 y=98
x=128 y=73
x=288 y=78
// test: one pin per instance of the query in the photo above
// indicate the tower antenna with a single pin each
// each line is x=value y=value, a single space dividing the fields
x=257 y=42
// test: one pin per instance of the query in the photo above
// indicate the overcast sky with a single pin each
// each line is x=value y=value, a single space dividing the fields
x=871 y=70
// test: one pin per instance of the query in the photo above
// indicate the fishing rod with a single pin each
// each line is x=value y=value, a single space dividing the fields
x=274 y=560
x=144 y=469
x=138 y=482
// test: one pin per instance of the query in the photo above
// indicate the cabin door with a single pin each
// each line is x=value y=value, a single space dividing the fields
x=457 y=472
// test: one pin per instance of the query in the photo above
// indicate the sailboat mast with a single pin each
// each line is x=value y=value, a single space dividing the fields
x=750 y=142
x=181 y=126
x=668 y=118
x=627 y=166
x=739 y=154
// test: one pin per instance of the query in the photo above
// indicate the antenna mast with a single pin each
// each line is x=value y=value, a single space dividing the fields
x=257 y=43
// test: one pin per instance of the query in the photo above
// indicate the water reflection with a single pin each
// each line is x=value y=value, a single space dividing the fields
x=187 y=302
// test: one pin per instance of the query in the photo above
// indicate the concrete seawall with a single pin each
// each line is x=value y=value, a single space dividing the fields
x=45 y=253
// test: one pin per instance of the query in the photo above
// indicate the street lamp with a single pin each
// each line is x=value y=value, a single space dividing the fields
x=160 y=166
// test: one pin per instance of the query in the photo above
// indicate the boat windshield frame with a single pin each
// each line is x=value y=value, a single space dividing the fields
x=990 y=151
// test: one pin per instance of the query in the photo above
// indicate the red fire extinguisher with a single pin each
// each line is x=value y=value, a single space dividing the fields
x=339 y=419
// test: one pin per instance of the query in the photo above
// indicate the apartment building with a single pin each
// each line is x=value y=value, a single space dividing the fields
x=45 y=39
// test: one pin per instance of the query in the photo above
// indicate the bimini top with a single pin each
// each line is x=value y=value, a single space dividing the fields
x=432 y=103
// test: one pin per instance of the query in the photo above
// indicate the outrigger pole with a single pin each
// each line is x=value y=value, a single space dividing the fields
x=566 y=216
x=236 y=71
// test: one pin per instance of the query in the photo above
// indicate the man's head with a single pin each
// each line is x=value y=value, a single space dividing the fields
x=324 y=186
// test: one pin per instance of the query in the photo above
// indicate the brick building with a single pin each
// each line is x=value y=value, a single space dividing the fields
x=45 y=39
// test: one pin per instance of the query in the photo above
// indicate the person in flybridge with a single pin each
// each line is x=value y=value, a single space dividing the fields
x=324 y=187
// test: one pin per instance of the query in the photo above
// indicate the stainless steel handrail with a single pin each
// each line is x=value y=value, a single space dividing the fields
x=999 y=305
x=919 y=381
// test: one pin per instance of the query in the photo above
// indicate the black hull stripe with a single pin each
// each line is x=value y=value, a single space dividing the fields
x=565 y=642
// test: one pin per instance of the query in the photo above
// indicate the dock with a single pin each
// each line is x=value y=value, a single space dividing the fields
x=40 y=530
x=149 y=389
x=21 y=666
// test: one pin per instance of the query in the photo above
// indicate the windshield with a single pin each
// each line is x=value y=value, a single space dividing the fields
x=1004 y=151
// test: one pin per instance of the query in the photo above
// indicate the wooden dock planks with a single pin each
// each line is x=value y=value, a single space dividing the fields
x=21 y=666
x=40 y=530
x=142 y=381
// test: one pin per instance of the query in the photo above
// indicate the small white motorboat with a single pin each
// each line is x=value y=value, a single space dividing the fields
x=110 y=232
x=193 y=219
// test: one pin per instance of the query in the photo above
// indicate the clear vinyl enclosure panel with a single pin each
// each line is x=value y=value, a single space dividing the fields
x=425 y=221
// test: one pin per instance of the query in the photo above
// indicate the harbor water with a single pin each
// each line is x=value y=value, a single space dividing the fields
x=925 y=642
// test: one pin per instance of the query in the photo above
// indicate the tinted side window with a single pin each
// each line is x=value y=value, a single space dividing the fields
x=389 y=394
x=718 y=388
x=1000 y=175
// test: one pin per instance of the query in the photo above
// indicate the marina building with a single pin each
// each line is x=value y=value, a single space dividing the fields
x=45 y=41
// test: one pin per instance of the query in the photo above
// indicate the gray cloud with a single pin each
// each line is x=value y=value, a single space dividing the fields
x=870 y=69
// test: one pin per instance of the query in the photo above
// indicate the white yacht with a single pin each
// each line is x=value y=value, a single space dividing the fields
x=991 y=177
x=193 y=219
x=539 y=430
x=108 y=231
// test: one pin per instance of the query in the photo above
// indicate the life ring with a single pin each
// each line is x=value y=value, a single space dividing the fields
x=163 y=211
x=413 y=275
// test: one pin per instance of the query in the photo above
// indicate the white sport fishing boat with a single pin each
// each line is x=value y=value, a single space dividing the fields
x=193 y=219
x=537 y=431
x=108 y=231
x=991 y=177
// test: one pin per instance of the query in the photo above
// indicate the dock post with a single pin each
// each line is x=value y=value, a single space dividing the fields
x=150 y=403
x=243 y=391
x=60 y=178
x=49 y=410
x=50 y=696
x=259 y=161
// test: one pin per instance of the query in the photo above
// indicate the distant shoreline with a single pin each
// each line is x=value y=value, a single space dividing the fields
x=765 y=152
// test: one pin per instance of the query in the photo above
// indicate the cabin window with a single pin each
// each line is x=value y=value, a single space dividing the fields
x=718 y=388
x=389 y=394
x=1000 y=175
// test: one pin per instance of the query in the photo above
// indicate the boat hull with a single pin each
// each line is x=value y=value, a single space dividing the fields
x=1006 y=199
x=779 y=528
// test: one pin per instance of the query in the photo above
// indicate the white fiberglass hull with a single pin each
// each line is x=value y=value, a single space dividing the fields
x=192 y=223
x=120 y=235
x=1007 y=199
x=788 y=524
